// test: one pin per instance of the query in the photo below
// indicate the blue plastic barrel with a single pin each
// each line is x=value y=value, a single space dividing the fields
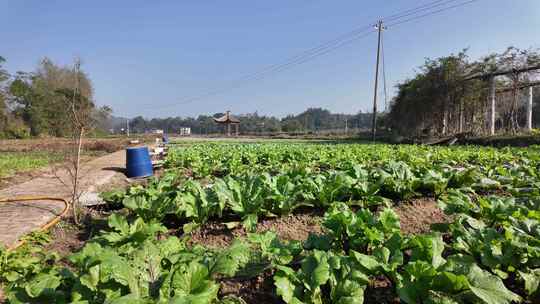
x=165 y=138
x=138 y=162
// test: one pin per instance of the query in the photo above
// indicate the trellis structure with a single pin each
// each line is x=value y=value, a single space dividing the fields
x=493 y=91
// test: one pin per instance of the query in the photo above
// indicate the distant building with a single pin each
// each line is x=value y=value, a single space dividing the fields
x=185 y=131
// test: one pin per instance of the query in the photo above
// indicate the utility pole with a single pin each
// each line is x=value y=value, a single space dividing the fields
x=380 y=28
x=346 y=125
x=127 y=127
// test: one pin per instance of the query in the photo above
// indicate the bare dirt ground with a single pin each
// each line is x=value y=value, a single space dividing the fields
x=67 y=237
x=417 y=216
x=62 y=144
x=293 y=227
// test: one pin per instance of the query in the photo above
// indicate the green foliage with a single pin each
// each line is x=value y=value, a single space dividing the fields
x=311 y=120
x=40 y=102
x=442 y=92
x=269 y=180
x=322 y=278
x=361 y=230
x=129 y=263
x=17 y=162
x=274 y=250
x=489 y=253
x=246 y=197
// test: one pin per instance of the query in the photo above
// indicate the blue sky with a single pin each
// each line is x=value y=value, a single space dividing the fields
x=148 y=57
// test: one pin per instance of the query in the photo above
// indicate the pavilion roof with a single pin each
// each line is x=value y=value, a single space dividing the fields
x=227 y=118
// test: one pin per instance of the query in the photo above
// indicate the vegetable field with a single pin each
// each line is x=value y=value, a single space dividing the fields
x=487 y=252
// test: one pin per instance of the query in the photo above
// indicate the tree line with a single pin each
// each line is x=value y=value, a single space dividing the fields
x=38 y=103
x=442 y=98
x=311 y=120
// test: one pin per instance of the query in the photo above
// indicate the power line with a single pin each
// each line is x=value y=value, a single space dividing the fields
x=276 y=68
x=353 y=33
x=418 y=9
x=397 y=15
x=325 y=48
x=317 y=54
x=342 y=40
x=432 y=13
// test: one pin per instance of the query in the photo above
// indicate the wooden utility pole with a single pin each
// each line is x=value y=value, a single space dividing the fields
x=380 y=28
x=529 y=109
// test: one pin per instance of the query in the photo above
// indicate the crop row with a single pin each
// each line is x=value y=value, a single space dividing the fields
x=231 y=159
x=249 y=197
x=490 y=254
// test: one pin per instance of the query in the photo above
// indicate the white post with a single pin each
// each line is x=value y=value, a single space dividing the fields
x=492 y=110
x=127 y=127
x=460 y=117
x=444 y=122
x=529 y=110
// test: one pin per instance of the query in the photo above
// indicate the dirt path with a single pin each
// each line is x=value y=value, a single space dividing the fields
x=18 y=219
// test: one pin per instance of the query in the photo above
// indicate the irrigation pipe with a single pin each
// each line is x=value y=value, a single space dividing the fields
x=47 y=225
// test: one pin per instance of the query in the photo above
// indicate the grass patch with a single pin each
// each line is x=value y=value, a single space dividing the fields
x=15 y=162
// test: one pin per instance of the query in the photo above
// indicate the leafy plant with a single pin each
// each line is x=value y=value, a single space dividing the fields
x=246 y=197
x=276 y=251
x=361 y=230
x=195 y=205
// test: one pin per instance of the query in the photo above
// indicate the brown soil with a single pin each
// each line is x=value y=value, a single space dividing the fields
x=380 y=290
x=62 y=144
x=252 y=290
x=291 y=227
x=67 y=238
x=418 y=215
